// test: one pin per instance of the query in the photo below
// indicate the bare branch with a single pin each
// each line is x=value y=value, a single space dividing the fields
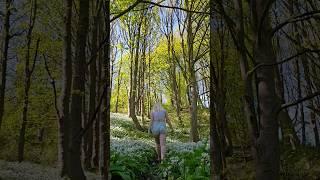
x=281 y=62
x=52 y=82
x=283 y=106
x=17 y=34
x=35 y=57
x=174 y=7
x=126 y=10
x=301 y=17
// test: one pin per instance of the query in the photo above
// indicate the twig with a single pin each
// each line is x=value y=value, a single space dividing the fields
x=35 y=57
x=52 y=82
x=301 y=17
x=281 y=62
x=125 y=11
x=299 y=100
x=174 y=7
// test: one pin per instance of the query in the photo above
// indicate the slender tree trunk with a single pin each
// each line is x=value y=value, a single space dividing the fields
x=63 y=124
x=78 y=88
x=215 y=146
x=311 y=104
x=104 y=162
x=149 y=83
x=119 y=82
x=194 y=135
x=286 y=123
x=4 y=60
x=27 y=81
x=303 y=128
x=174 y=78
x=96 y=138
x=248 y=97
x=133 y=98
x=92 y=88
x=142 y=77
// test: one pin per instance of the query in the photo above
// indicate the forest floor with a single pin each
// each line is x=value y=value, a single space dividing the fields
x=133 y=157
x=31 y=171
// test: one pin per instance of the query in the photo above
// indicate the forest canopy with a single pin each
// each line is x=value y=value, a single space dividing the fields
x=238 y=80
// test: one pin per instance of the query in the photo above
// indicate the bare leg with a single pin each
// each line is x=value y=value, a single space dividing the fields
x=163 y=145
x=157 y=139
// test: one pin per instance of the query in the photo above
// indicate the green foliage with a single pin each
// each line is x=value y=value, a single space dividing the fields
x=186 y=161
x=132 y=152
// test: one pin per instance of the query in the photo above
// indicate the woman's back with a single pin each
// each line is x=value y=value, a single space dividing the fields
x=159 y=116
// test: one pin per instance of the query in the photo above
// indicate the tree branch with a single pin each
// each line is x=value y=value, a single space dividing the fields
x=283 y=106
x=35 y=57
x=281 y=62
x=174 y=7
x=301 y=17
x=52 y=82
x=126 y=10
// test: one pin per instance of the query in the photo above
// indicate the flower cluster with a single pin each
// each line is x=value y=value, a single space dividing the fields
x=186 y=160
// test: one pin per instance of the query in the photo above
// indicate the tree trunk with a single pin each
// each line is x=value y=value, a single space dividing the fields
x=133 y=96
x=149 y=83
x=104 y=162
x=119 y=82
x=194 y=135
x=287 y=126
x=303 y=128
x=174 y=78
x=93 y=85
x=27 y=81
x=268 y=153
x=215 y=146
x=4 y=60
x=63 y=124
x=248 y=98
x=78 y=88
x=96 y=128
x=311 y=104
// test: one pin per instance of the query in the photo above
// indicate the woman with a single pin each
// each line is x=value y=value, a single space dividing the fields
x=159 y=118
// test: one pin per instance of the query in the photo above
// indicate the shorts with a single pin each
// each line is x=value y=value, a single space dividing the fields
x=158 y=128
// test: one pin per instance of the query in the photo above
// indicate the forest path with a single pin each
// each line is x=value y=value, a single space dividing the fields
x=31 y=171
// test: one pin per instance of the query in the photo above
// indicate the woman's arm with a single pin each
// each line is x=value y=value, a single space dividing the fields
x=168 y=120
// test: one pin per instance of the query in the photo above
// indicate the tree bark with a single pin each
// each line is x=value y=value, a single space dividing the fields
x=267 y=145
x=4 y=59
x=216 y=166
x=92 y=84
x=119 y=82
x=96 y=126
x=311 y=104
x=104 y=156
x=133 y=94
x=77 y=94
x=194 y=134
x=63 y=124
x=244 y=68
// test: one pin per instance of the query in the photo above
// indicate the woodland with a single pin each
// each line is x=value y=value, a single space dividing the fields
x=238 y=78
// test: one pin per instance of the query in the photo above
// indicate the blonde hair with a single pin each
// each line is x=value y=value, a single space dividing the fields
x=157 y=107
